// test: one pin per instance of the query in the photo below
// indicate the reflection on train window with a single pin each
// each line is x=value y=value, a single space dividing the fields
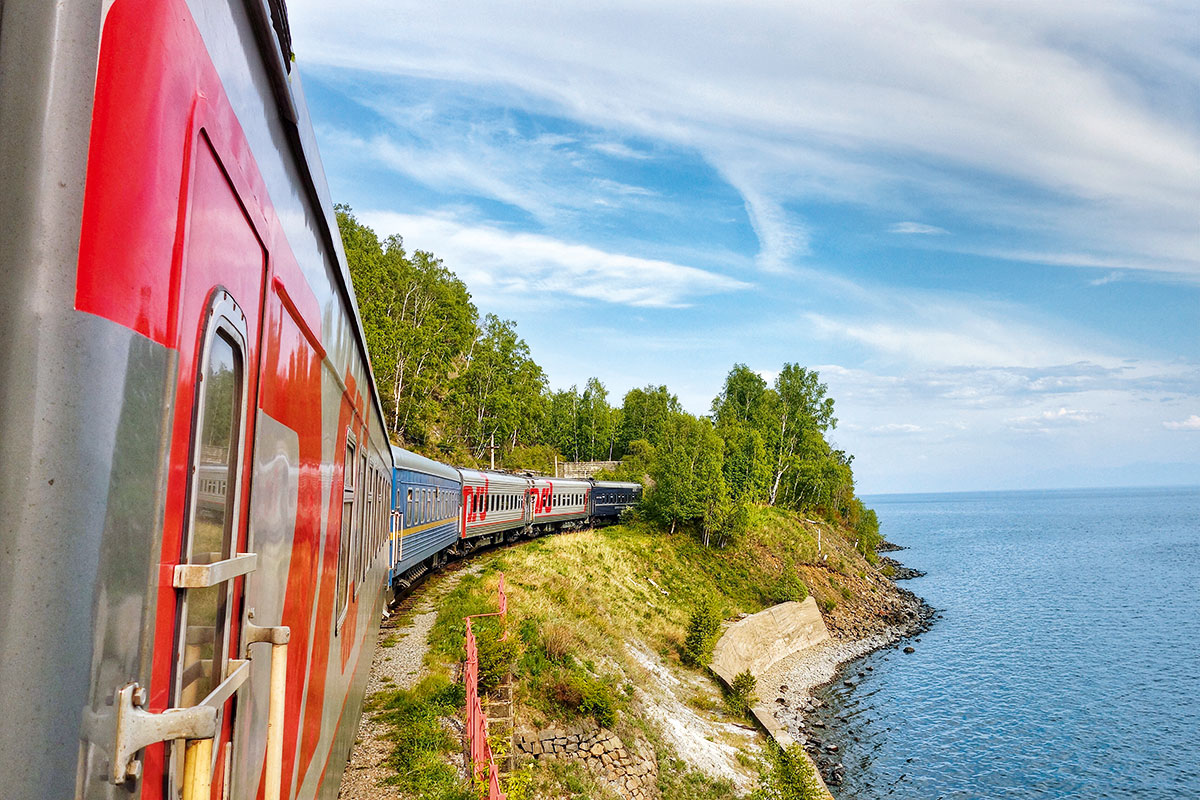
x=213 y=514
x=408 y=509
x=343 y=577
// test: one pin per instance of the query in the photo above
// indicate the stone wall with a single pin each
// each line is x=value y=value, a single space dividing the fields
x=584 y=469
x=602 y=752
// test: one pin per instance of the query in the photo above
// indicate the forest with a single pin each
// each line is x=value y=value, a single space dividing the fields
x=454 y=387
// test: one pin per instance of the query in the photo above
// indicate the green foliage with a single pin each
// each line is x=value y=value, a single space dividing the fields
x=496 y=655
x=703 y=630
x=421 y=742
x=676 y=781
x=790 y=777
x=563 y=686
x=518 y=784
x=583 y=427
x=645 y=414
x=789 y=588
x=499 y=395
x=740 y=696
x=418 y=321
x=686 y=473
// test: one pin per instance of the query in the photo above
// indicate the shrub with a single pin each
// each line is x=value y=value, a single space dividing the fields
x=598 y=702
x=496 y=657
x=741 y=696
x=791 y=777
x=573 y=690
x=704 y=626
x=789 y=588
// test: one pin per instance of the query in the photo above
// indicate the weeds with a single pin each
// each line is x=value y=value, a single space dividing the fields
x=421 y=744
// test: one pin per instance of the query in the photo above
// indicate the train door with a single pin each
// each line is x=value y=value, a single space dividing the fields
x=221 y=281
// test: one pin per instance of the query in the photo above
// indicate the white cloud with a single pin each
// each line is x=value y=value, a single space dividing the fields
x=967 y=104
x=619 y=150
x=535 y=270
x=916 y=227
x=1111 y=277
x=897 y=427
x=1192 y=423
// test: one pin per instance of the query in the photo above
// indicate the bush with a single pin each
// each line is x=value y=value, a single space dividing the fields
x=741 y=696
x=704 y=626
x=496 y=657
x=791 y=777
x=573 y=690
x=598 y=702
x=789 y=588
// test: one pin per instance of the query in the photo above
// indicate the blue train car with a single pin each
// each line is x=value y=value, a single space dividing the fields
x=426 y=518
x=610 y=498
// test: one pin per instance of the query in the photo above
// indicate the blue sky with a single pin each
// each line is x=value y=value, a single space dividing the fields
x=980 y=221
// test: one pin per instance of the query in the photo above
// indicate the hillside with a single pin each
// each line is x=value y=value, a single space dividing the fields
x=598 y=621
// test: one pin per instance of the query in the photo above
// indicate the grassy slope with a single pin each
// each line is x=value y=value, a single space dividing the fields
x=576 y=599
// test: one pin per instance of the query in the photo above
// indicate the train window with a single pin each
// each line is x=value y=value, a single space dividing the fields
x=343 y=573
x=408 y=509
x=358 y=533
x=214 y=511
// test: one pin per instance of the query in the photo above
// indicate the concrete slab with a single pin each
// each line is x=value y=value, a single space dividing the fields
x=761 y=640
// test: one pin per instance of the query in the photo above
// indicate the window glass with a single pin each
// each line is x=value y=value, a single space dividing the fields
x=213 y=515
x=343 y=581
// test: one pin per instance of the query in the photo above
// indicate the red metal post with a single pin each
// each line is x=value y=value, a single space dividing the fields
x=475 y=729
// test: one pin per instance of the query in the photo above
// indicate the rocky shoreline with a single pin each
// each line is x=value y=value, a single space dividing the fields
x=899 y=571
x=794 y=680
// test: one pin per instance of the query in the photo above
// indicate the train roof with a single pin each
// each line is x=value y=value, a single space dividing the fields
x=406 y=459
x=563 y=482
x=495 y=478
x=617 y=484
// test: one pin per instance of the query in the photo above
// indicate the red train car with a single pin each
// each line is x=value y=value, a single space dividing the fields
x=194 y=466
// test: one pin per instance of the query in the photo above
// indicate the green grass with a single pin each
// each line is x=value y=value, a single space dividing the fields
x=421 y=744
x=575 y=600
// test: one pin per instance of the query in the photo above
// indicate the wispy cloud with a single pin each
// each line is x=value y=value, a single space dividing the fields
x=897 y=427
x=1192 y=423
x=1055 y=418
x=1111 y=277
x=533 y=269
x=618 y=150
x=974 y=102
x=915 y=227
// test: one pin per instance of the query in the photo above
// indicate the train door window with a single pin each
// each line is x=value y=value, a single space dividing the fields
x=408 y=509
x=205 y=611
x=343 y=576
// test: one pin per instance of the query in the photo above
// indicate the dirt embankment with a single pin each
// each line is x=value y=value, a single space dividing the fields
x=600 y=619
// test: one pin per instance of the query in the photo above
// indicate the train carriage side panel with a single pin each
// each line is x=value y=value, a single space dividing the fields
x=559 y=500
x=493 y=503
x=610 y=498
x=136 y=288
x=427 y=497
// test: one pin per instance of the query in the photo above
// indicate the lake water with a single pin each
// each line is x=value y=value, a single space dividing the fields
x=1067 y=661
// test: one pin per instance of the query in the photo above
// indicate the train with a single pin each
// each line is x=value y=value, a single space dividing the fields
x=441 y=512
x=201 y=514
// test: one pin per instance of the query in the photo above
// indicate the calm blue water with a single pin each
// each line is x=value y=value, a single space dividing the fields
x=1067 y=663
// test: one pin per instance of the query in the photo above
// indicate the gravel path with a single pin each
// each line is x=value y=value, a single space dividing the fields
x=398 y=664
